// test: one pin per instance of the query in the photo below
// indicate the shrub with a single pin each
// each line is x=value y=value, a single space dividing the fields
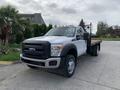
x=19 y=37
x=27 y=33
x=43 y=29
x=49 y=27
x=39 y=30
x=36 y=30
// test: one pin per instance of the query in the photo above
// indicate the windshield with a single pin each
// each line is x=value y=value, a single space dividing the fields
x=62 y=31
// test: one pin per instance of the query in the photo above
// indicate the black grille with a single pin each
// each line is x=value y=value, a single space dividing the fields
x=37 y=50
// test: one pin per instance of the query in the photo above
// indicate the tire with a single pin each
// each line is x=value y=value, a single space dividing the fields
x=99 y=47
x=69 y=66
x=32 y=67
x=94 y=51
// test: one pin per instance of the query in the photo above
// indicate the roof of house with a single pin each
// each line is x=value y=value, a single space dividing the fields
x=35 y=18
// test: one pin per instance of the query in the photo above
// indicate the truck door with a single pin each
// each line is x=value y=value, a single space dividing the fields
x=80 y=42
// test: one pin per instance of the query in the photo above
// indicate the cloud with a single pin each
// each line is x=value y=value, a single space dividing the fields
x=55 y=21
x=3 y=2
x=55 y=8
x=31 y=4
x=68 y=10
x=52 y=5
x=24 y=1
x=64 y=12
x=102 y=8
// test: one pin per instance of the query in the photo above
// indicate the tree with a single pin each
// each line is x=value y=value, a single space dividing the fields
x=36 y=30
x=82 y=24
x=101 y=28
x=8 y=15
x=12 y=25
x=27 y=33
x=27 y=28
x=43 y=29
x=116 y=27
x=2 y=31
x=49 y=27
x=39 y=30
x=19 y=37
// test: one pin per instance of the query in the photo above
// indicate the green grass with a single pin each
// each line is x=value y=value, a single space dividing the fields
x=109 y=39
x=11 y=56
x=14 y=45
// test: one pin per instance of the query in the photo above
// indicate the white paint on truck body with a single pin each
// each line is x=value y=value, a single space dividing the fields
x=61 y=41
x=80 y=44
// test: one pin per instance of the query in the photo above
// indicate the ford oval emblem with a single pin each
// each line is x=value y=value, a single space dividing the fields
x=32 y=49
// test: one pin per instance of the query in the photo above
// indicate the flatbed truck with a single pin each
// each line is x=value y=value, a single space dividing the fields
x=59 y=49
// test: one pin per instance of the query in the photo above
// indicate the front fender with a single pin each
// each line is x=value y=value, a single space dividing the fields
x=67 y=48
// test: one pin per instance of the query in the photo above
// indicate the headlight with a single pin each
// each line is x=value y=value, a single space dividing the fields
x=56 y=50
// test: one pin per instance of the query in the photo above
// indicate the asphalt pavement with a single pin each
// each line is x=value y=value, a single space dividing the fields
x=92 y=73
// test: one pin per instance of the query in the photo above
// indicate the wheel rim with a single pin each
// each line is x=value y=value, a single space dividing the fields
x=71 y=66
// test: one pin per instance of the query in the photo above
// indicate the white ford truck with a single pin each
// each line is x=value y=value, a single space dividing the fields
x=59 y=48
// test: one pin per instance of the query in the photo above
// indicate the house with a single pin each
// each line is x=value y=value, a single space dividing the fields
x=35 y=18
x=116 y=30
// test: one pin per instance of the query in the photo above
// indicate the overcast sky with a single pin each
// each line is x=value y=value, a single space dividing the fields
x=70 y=12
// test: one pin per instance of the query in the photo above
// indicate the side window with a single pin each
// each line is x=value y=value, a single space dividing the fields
x=80 y=32
x=70 y=32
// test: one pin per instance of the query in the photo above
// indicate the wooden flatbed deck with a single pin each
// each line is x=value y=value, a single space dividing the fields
x=94 y=42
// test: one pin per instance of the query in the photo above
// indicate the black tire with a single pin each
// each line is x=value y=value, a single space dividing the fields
x=94 y=50
x=32 y=67
x=99 y=47
x=65 y=65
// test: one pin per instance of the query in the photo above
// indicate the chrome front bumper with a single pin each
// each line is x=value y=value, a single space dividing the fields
x=47 y=63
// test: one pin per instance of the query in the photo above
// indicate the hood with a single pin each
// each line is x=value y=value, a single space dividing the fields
x=52 y=39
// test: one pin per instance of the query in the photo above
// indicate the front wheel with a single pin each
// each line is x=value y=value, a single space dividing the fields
x=69 y=65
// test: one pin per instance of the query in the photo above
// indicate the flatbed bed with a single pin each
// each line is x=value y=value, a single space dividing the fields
x=94 y=42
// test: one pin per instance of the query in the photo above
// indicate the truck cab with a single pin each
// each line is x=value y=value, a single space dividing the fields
x=58 y=48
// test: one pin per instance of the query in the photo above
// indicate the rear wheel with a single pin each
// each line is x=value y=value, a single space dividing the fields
x=95 y=50
x=69 y=65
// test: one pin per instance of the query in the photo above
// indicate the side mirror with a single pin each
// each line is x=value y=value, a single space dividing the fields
x=78 y=37
x=86 y=36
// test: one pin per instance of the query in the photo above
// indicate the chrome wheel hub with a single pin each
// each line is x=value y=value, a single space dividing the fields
x=71 y=66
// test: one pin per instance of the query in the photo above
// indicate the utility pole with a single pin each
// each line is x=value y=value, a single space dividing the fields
x=90 y=32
